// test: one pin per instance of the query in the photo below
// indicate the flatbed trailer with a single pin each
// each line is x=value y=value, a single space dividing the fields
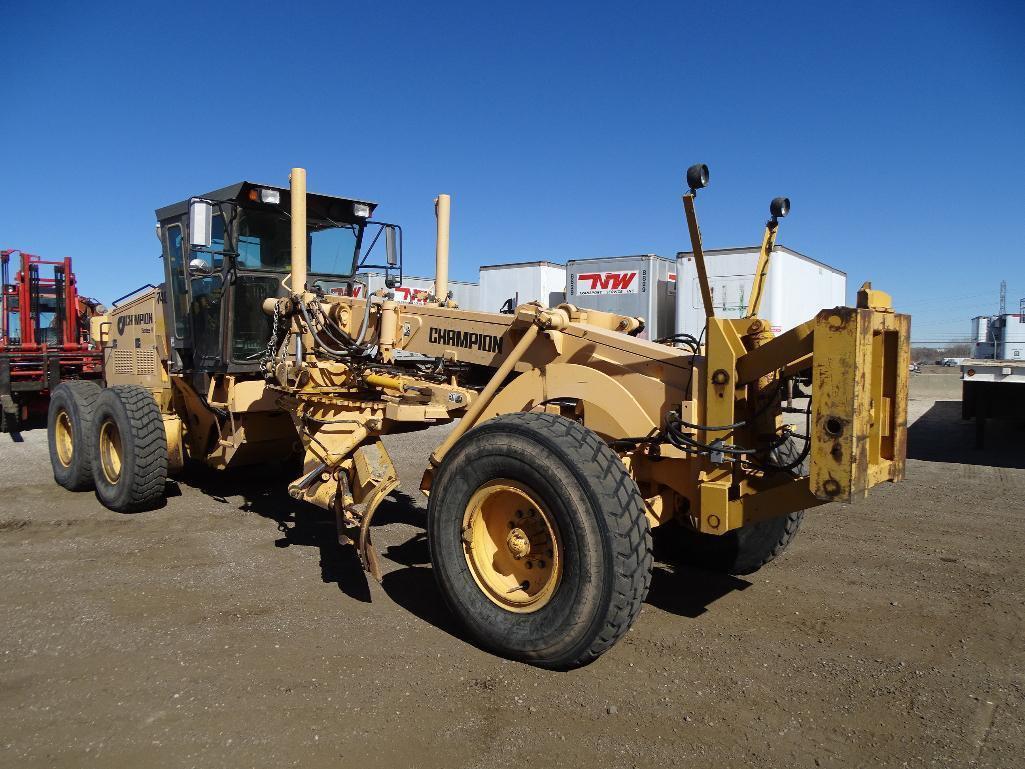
x=991 y=388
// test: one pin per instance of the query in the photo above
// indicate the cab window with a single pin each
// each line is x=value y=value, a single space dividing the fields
x=180 y=300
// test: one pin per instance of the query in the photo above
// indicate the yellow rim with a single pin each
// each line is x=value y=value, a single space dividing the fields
x=64 y=437
x=110 y=451
x=512 y=546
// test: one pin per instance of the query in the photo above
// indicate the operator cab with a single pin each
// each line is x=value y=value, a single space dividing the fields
x=227 y=251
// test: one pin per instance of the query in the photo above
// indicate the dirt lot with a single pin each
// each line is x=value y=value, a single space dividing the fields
x=226 y=629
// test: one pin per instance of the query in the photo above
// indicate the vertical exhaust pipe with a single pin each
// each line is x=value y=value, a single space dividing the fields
x=442 y=207
x=297 y=186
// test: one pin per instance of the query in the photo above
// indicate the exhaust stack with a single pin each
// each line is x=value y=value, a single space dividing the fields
x=442 y=207
x=297 y=185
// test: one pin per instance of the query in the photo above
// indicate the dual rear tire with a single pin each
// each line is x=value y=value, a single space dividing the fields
x=111 y=440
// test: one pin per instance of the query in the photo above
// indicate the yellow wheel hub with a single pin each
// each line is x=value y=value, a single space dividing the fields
x=512 y=546
x=110 y=451
x=64 y=438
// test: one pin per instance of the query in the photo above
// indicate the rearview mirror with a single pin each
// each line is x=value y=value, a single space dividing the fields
x=199 y=267
x=391 y=253
x=201 y=215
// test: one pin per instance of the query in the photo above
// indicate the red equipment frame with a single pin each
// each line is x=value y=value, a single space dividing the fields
x=33 y=361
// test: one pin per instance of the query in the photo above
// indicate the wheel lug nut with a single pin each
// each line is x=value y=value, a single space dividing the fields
x=540 y=564
x=530 y=565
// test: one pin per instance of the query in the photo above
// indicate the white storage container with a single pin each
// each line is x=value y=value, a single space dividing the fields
x=796 y=288
x=639 y=286
x=521 y=282
x=414 y=290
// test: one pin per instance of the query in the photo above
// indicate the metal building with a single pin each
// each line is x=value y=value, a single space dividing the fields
x=797 y=287
x=1005 y=337
x=640 y=286
x=982 y=338
x=521 y=282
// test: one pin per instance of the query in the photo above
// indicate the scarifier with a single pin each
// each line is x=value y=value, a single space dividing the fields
x=573 y=437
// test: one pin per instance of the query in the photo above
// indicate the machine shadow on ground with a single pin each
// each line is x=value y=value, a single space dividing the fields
x=675 y=588
x=940 y=435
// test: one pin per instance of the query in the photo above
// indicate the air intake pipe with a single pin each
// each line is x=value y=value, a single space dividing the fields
x=442 y=207
x=297 y=186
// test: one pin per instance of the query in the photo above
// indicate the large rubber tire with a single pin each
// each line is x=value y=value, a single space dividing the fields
x=69 y=426
x=599 y=523
x=749 y=548
x=128 y=416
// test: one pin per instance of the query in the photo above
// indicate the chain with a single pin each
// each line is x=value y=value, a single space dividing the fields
x=271 y=351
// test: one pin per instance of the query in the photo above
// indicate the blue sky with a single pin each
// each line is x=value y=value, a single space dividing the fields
x=561 y=130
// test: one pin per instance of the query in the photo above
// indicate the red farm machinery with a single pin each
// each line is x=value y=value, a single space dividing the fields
x=44 y=337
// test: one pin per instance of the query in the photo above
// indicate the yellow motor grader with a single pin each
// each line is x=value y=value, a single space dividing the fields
x=573 y=436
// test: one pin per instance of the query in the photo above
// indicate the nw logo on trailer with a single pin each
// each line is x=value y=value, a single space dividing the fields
x=593 y=283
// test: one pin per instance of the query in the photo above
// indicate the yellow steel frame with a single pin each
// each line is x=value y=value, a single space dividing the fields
x=859 y=434
x=762 y=269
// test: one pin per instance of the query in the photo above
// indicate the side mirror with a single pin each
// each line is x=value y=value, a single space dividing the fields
x=199 y=267
x=201 y=216
x=390 y=246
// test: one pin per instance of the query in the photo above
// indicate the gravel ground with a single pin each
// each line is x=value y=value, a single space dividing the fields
x=226 y=629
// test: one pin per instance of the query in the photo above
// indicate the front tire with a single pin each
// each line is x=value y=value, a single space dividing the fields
x=129 y=449
x=539 y=540
x=69 y=430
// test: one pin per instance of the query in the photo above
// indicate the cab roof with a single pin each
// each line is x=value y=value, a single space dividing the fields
x=318 y=206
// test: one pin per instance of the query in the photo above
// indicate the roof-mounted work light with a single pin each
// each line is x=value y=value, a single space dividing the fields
x=697 y=177
x=264 y=195
x=779 y=207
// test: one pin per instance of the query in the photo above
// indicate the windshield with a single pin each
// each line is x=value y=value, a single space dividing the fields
x=332 y=249
x=264 y=243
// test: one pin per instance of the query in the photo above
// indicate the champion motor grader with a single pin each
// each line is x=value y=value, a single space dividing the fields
x=574 y=436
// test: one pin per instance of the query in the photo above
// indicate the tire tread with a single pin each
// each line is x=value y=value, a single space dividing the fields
x=85 y=393
x=149 y=475
x=603 y=476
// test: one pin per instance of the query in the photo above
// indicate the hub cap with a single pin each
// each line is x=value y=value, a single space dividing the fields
x=64 y=438
x=511 y=545
x=110 y=451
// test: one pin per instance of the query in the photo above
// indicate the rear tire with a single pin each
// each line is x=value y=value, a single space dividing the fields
x=572 y=510
x=69 y=431
x=129 y=449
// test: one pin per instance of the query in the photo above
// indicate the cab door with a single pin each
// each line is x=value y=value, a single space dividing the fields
x=176 y=305
x=206 y=302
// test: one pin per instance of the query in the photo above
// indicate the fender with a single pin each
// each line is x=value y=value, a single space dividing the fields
x=610 y=410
